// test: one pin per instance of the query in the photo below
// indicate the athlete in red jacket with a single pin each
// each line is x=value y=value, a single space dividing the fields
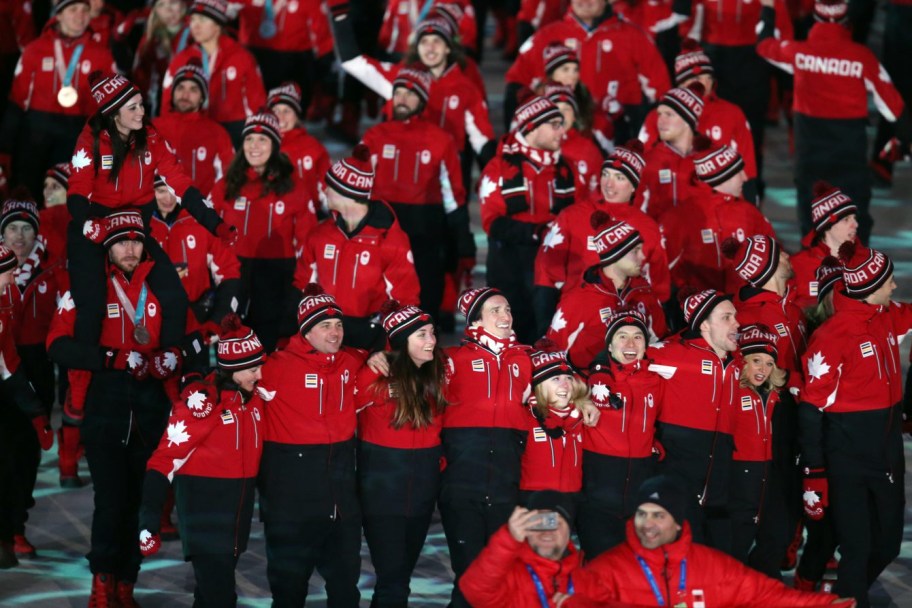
x=54 y=215
x=577 y=148
x=402 y=18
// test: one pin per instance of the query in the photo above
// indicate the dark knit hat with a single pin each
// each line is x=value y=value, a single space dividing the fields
x=831 y=11
x=534 y=113
x=238 y=346
x=613 y=239
x=435 y=25
x=715 y=165
x=288 y=93
x=698 y=306
x=829 y=206
x=826 y=277
x=866 y=270
x=755 y=259
x=623 y=318
x=628 y=159
x=265 y=123
x=19 y=211
x=316 y=305
x=758 y=339
x=559 y=93
x=123 y=226
x=472 y=300
x=415 y=78
x=667 y=492
x=192 y=71
x=691 y=61
x=450 y=12
x=556 y=54
x=400 y=322
x=353 y=176
x=687 y=102
x=111 y=92
x=8 y=259
x=550 y=500
x=548 y=361
x=60 y=172
x=62 y=4
x=217 y=10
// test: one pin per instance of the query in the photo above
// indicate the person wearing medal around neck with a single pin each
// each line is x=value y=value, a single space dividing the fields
x=659 y=564
x=127 y=384
x=50 y=98
x=114 y=165
x=236 y=88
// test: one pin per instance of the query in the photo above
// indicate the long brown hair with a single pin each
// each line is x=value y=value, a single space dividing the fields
x=276 y=178
x=135 y=143
x=457 y=54
x=418 y=390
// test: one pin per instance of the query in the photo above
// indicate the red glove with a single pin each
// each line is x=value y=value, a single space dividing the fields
x=464 y=267
x=658 y=450
x=210 y=331
x=227 y=232
x=893 y=152
x=199 y=398
x=71 y=412
x=42 y=427
x=166 y=363
x=93 y=230
x=816 y=493
x=149 y=543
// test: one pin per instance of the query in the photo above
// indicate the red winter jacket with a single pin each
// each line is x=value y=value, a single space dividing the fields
x=666 y=182
x=783 y=317
x=301 y=26
x=202 y=145
x=833 y=75
x=805 y=264
x=270 y=226
x=17 y=28
x=735 y=22
x=235 y=84
x=39 y=299
x=753 y=424
x=310 y=160
x=549 y=462
x=539 y=13
x=567 y=250
x=500 y=576
x=9 y=319
x=580 y=321
x=227 y=444
x=53 y=222
x=696 y=230
x=712 y=578
x=362 y=269
x=586 y=160
x=376 y=403
x=723 y=122
x=618 y=62
x=315 y=393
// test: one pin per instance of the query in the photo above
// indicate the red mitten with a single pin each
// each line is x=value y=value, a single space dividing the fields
x=228 y=233
x=210 y=331
x=199 y=398
x=72 y=413
x=464 y=267
x=893 y=152
x=816 y=493
x=93 y=230
x=658 y=450
x=166 y=363
x=129 y=360
x=42 y=428
x=149 y=543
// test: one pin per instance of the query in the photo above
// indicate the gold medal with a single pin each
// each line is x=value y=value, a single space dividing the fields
x=67 y=97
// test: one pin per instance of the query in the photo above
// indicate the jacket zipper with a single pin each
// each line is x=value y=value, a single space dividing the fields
x=417 y=164
x=269 y=222
x=246 y=216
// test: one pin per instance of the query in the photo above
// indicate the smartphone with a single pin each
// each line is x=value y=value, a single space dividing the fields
x=546 y=521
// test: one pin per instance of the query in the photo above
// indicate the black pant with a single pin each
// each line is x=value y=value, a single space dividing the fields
x=117 y=475
x=214 y=580
x=600 y=528
x=395 y=543
x=511 y=269
x=45 y=139
x=20 y=455
x=897 y=48
x=468 y=526
x=867 y=510
x=818 y=549
x=295 y=548
x=278 y=67
x=426 y=228
x=268 y=298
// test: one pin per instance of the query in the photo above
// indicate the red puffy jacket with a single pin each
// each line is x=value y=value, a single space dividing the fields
x=202 y=145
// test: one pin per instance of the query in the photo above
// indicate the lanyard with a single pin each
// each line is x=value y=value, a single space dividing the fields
x=66 y=77
x=425 y=10
x=182 y=43
x=136 y=314
x=540 y=588
x=682 y=585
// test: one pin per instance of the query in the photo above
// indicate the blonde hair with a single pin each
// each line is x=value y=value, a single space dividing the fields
x=775 y=381
x=578 y=395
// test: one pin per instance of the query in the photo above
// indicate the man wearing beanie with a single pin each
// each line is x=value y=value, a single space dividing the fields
x=235 y=85
x=694 y=424
x=578 y=147
x=307 y=482
x=567 y=249
x=666 y=180
x=211 y=452
x=850 y=419
x=399 y=24
x=661 y=564
x=833 y=75
x=713 y=212
x=202 y=145
x=50 y=99
x=419 y=175
x=613 y=283
x=521 y=192
x=122 y=385
x=359 y=254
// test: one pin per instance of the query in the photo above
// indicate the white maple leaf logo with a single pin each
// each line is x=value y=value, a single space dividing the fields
x=134 y=359
x=558 y=322
x=600 y=392
x=81 y=159
x=486 y=188
x=817 y=367
x=554 y=237
x=658 y=345
x=264 y=394
x=196 y=401
x=145 y=536
x=65 y=303
x=810 y=498
x=170 y=361
x=177 y=433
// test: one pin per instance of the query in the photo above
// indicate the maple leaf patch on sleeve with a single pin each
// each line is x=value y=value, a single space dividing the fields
x=817 y=367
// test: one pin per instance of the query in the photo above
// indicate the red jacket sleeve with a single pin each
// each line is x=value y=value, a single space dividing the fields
x=306 y=266
x=483 y=584
x=399 y=267
x=182 y=435
x=554 y=254
x=651 y=70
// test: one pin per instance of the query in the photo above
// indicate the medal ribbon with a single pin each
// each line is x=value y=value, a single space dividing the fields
x=136 y=314
x=182 y=43
x=66 y=77
x=540 y=588
x=682 y=584
x=425 y=9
